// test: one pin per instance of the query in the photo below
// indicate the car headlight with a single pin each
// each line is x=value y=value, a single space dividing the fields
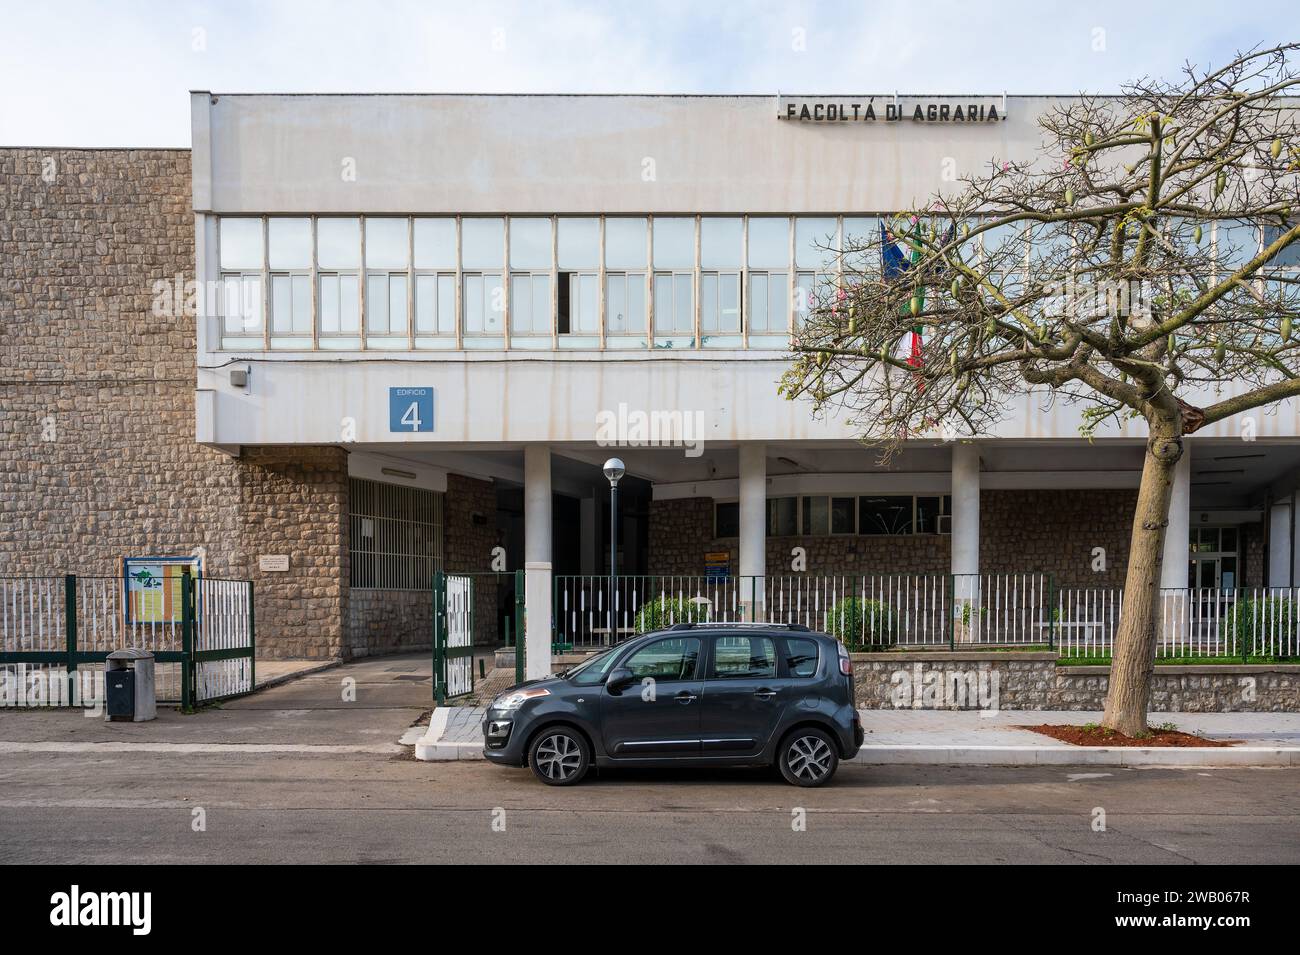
x=512 y=701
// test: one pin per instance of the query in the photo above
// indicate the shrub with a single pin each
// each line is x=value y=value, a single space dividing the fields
x=862 y=622
x=1260 y=625
x=665 y=611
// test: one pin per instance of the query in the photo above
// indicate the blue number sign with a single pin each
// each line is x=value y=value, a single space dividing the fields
x=410 y=409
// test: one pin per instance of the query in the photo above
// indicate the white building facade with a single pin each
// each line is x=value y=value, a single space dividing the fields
x=515 y=288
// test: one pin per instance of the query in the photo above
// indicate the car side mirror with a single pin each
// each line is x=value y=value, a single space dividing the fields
x=618 y=679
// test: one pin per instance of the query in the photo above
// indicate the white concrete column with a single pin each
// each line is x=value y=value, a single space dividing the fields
x=1173 y=564
x=753 y=525
x=537 y=561
x=965 y=508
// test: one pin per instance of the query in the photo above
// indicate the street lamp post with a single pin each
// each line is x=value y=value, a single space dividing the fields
x=614 y=471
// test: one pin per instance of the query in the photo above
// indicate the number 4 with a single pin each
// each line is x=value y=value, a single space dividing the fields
x=412 y=416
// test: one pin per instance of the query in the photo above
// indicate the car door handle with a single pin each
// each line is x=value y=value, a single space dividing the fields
x=763 y=693
x=685 y=697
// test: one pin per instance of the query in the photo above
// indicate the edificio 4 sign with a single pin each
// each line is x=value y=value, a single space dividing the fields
x=893 y=109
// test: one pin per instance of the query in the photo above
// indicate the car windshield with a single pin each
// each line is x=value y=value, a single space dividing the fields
x=591 y=670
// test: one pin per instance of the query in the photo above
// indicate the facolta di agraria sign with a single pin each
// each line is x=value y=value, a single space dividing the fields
x=892 y=109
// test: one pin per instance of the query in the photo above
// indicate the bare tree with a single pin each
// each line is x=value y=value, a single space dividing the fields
x=1134 y=265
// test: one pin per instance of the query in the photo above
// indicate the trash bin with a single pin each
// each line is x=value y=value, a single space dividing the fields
x=129 y=686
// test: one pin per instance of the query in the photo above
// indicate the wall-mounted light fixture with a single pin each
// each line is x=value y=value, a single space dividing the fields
x=393 y=472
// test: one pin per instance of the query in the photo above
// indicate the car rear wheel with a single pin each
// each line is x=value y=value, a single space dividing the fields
x=808 y=758
x=559 y=756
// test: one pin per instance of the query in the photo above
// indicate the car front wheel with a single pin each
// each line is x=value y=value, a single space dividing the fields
x=808 y=758
x=559 y=756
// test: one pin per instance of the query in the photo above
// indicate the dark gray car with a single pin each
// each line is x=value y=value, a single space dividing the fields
x=695 y=694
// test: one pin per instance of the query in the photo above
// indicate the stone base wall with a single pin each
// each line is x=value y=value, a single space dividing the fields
x=1033 y=681
x=468 y=544
x=389 y=621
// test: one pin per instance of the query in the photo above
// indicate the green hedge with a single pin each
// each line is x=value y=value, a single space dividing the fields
x=862 y=622
x=665 y=611
x=1259 y=625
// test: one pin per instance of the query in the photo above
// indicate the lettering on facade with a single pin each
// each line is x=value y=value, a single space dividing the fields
x=869 y=110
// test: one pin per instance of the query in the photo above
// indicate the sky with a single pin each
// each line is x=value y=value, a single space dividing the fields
x=118 y=73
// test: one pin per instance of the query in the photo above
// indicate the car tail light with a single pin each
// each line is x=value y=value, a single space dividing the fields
x=846 y=664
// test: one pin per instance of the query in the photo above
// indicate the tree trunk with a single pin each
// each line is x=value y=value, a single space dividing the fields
x=1135 y=642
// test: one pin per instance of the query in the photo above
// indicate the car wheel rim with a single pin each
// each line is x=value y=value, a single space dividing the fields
x=809 y=758
x=558 y=757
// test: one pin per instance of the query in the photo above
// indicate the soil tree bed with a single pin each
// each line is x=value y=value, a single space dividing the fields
x=1093 y=735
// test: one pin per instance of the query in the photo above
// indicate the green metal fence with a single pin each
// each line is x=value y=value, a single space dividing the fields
x=459 y=615
x=56 y=631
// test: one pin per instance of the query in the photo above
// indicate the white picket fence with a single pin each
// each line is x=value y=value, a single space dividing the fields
x=1190 y=622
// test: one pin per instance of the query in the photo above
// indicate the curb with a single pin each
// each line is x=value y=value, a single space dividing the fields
x=288 y=677
x=1134 y=756
x=432 y=750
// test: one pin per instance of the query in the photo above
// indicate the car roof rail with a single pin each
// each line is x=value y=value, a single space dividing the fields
x=741 y=625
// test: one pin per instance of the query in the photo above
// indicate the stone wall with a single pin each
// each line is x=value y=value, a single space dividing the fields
x=389 y=621
x=1033 y=681
x=468 y=544
x=97 y=453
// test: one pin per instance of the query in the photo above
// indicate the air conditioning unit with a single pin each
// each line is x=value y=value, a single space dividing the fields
x=944 y=524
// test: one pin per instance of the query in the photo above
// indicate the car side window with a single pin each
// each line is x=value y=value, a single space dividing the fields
x=743 y=658
x=800 y=657
x=664 y=660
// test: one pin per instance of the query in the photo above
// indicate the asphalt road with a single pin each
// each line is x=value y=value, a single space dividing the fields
x=140 y=807
x=312 y=772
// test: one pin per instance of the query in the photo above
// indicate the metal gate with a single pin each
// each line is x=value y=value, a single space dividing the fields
x=453 y=636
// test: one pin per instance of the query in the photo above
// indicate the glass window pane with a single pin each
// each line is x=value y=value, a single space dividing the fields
x=426 y=304
x=778 y=310
x=521 y=305
x=250 y=299
x=666 y=660
x=729 y=301
x=674 y=243
x=769 y=242
x=446 y=304
x=473 y=301
x=885 y=515
x=709 y=302
x=290 y=243
x=842 y=515
x=483 y=243
x=397 y=304
x=338 y=243
x=1228 y=541
x=1289 y=257
x=329 y=303
x=302 y=304
x=862 y=233
x=782 y=516
x=616 y=301
x=625 y=243
x=636 y=304
x=812 y=236
x=727 y=519
x=541 y=304
x=377 y=304
x=386 y=244
x=281 y=304
x=349 y=304
x=927 y=515
x=530 y=243
x=815 y=515
x=684 y=303
x=578 y=243
x=495 y=300
x=743 y=658
x=663 y=303
x=721 y=242
x=241 y=243
x=758 y=318
x=435 y=244
x=800 y=657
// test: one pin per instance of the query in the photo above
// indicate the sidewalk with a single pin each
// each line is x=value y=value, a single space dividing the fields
x=967 y=737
